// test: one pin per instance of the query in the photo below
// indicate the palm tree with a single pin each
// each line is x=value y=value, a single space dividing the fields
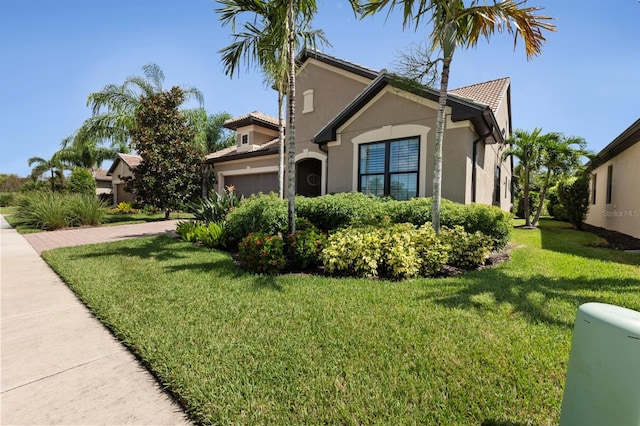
x=269 y=40
x=558 y=157
x=84 y=152
x=456 y=25
x=114 y=107
x=53 y=165
x=525 y=147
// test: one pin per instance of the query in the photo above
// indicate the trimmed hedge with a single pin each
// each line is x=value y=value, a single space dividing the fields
x=268 y=214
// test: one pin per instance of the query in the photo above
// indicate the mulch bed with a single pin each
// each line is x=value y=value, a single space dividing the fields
x=615 y=240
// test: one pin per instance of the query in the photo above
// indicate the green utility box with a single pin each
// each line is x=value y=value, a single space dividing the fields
x=603 y=376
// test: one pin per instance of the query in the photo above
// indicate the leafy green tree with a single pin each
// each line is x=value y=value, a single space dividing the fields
x=525 y=146
x=559 y=156
x=169 y=175
x=53 y=165
x=269 y=40
x=11 y=182
x=81 y=181
x=456 y=25
x=114 y=107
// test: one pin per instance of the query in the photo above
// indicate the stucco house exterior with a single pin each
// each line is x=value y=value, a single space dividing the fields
x=122 y=168
x=615 y=184
x=103 y=184
x=358 y=129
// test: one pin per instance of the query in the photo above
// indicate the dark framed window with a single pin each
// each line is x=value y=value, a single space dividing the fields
x=390 y=168
x=245 y=139
x=609 y=182
x=496 y=183
x=594 y=182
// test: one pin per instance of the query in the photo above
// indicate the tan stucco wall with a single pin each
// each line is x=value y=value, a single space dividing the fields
x=333 y=89
x=623 y=213
x=257 y=135
x=391 y=106
x=119 y=194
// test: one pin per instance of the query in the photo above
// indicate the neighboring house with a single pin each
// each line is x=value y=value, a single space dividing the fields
x=103 y=184
x=362 y=130
x=122 y=168
x=615 y=182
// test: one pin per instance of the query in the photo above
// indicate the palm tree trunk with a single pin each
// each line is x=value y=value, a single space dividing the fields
x=527 y=213
x=437 y=155
x=291 y=99
x=281 y=146
x=543 y=194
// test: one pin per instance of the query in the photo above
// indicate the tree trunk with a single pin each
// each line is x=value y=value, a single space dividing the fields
x=527 y=213
x=291 y=148
x=281 y=146
x=166 y=214
x=543 y=194
x=437 y=155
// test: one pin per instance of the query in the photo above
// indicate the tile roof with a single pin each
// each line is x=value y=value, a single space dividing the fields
x=130 y=160
x=231 y=152
x=101 y=174
x=251 y=118
x=488 y=93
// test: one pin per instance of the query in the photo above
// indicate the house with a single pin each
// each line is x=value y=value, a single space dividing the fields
x=121 y=169
x=103 y=184
x=615 y=178
x=358 y=129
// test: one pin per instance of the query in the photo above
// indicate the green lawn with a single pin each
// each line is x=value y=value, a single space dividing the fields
x=490 y=347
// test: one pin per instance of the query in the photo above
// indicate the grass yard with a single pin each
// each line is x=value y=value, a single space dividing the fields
x=489 y=347
x=129 y=218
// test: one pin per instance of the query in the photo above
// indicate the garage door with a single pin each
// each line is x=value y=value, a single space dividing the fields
x=252 y=184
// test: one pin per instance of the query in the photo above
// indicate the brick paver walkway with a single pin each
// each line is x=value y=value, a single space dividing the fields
x=42 y=241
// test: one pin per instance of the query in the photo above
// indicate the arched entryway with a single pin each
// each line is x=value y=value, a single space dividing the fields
x=309 y=177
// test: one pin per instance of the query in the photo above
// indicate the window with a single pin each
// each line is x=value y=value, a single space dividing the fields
x=307 y=104
x=496 y=184
x=609 y=180
x=390 y=168
x=245 y=139
x=594 y=181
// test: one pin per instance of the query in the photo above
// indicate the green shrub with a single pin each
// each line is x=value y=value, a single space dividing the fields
x=262 y=253
x=305 y=246
x=258 y=213
x=432 y=251
x=43 y=210
x=7 y=199
x=85 y=210
x=330 y=212
x=217 y=206
x=466 y=250
x=353 y=251
x=400 y=256
x=210 y=235
x=35 y=186
x=574 y=196
x=534 y=200
x=81 y=181
x=188 y=230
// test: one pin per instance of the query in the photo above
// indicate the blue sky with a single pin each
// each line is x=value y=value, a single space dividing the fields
x=54 y=53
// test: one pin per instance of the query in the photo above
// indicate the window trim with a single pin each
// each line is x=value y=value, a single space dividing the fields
x=609 y=183
x=594 y=184
x=387 y=158
x=497 y=175
x=244 y=139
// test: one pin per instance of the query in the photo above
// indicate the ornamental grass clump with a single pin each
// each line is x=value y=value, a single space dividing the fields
x=210 y=236
x=262 y=253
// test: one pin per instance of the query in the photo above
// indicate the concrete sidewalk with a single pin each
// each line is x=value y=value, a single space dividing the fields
x=59 y=365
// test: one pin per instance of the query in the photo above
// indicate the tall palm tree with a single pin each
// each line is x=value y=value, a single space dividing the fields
x=525 y=146
x=53 y=165
x=114 y=107
x=269 y=41
x=558 y=157
x=457 y=25
x=84 y=152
